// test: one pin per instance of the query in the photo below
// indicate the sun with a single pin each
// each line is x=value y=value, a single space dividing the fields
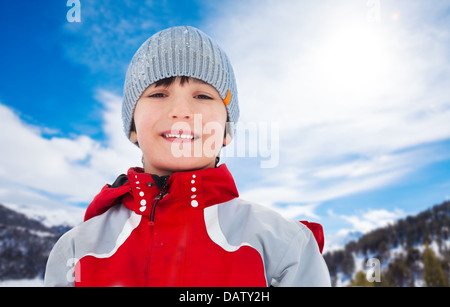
x=352 y=58
x=395 y=16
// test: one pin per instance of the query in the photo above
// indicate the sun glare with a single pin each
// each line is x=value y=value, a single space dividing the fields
x=395 y=16
x=352 y=59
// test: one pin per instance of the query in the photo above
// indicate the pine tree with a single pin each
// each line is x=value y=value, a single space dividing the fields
x=433 y=273
x=360 y=280
x=399 y=274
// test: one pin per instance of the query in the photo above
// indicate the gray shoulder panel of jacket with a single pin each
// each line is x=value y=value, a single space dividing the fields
x=100 y=237
x=289 y=250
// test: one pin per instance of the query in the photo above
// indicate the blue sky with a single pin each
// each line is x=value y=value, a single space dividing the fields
x=356 y=95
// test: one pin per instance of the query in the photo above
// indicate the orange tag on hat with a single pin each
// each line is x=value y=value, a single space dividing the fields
x=227 y=99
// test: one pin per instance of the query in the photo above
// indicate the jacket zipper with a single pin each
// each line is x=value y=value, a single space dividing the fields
x=151 y=223
x=158 y=197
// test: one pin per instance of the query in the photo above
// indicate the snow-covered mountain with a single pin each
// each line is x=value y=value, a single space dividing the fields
x=50 y=216
x=27 y=234
x=414 y=251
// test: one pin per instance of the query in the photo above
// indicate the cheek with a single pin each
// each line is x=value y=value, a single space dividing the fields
x=145 y=127
x=214 y=123
x=144 y=118
x=213 y=131
x=217 y=114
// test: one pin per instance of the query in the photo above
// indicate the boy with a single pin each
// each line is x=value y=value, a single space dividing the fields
x=179 y=221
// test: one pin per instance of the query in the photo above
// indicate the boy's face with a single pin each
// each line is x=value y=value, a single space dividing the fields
x=180 y=127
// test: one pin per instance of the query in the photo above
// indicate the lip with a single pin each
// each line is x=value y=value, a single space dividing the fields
x=179 y=136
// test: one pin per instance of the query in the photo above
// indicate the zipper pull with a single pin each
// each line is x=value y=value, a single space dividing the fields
x=158 y=197
x=162 y=193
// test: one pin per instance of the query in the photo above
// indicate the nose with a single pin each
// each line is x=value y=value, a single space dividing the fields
x=180 y=109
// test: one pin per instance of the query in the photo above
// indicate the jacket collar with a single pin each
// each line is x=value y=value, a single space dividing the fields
x=198 y=189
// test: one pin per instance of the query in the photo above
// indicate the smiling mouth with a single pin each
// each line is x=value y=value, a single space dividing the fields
x=170 y=136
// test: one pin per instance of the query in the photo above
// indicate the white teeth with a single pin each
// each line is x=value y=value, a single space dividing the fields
x=180 y=136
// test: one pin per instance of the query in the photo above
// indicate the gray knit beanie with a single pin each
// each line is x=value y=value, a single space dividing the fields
x=179 y=51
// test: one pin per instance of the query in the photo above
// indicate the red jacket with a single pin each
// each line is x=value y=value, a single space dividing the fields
x=195 y=231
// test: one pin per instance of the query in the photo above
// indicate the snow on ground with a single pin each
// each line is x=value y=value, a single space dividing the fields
x=37 y=282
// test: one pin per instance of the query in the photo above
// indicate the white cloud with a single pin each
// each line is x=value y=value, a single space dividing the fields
x=360 y=104
x=70 y=170
x=371 y=219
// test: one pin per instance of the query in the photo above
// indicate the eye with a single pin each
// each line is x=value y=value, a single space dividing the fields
x=202 y=96
x=158 y=95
